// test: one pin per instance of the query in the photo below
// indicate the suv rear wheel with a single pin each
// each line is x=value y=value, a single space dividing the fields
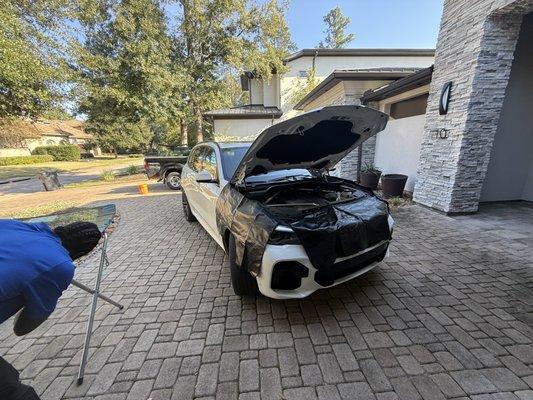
x=243 y=283
x=173 y=180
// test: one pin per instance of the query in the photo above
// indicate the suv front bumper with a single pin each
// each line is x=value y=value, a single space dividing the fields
x=343 y=270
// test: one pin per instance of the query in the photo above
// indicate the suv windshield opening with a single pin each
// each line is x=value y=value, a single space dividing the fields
x=231 y=157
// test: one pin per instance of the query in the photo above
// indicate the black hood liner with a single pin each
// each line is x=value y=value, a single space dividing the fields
x=288 y=149
x=326 y=232
x=315 y=140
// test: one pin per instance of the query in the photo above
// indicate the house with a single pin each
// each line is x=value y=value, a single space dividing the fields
x=47 y=133
x=54 y=132
x=348 y=87
x=396 y=149
x=272 y=100
x=462 y=130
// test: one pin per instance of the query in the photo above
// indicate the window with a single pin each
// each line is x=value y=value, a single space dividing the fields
x=410 y=107
x=208 y=159
x=231 y=157
x=194 y=159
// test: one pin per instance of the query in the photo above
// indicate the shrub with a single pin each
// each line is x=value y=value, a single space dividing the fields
x=25 y=160
x=132 y=170
x=64 y=152
x=395 y=201
x=370 y=169
x=136 y=155
x=87 y=155
x=107 y=176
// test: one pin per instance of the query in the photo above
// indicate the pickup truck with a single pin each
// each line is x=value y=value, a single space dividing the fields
x=167 y=168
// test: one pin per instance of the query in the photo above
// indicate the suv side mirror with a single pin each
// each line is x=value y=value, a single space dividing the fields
x=205 y=176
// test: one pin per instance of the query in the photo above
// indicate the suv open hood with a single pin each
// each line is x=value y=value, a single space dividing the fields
x=316 y=140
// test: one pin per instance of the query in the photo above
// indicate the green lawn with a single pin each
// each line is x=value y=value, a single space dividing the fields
x=30 y=170
x=46 y=209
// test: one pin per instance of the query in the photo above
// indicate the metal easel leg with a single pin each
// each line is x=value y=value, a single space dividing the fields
x=100 y=295
x=93 y=311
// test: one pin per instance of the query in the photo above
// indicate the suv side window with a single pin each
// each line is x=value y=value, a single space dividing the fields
x=194 y=159
x=209 y=161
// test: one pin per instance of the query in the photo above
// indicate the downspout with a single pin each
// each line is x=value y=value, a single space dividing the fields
x=314 y=60
x=250 y=86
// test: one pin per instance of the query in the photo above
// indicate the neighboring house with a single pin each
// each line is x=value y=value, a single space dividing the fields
x=270 y=100
x=54 y=132
x=48 y=133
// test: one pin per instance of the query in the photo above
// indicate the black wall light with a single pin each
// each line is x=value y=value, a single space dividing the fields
x=445 y=98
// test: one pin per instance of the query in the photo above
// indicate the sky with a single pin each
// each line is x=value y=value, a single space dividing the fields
x=375 y=23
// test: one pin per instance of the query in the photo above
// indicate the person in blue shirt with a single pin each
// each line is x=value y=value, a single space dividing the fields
x=36 y=266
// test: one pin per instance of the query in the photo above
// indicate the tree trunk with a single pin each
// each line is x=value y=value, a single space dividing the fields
x=184 y=133
x=115 y=152
x=199 y=125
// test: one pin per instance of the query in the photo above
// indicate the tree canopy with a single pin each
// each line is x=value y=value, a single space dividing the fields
x=129 y=91
x=140 y=72
x=217 y=37
x=336 y=23
x=32 y=55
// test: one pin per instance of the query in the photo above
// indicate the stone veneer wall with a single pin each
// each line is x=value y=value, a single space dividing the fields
x=475 y=51
x=347 y=168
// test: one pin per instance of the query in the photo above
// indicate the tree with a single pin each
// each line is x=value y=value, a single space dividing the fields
x=336 y=24
x=89 y=145
x=217 y=36
x=130 y=89
x=32 y=55
x=303 y=87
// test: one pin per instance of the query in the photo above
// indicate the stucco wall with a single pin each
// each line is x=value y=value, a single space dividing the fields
x=239 y=129
x=398 y=148
x=270 y=92
x=326 y=65
x=346 y=92
x=508 y=174
x=527 y=194
x=256 y=91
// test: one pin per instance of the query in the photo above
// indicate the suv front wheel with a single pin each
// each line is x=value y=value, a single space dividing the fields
x=244 y=284
x=187 y=209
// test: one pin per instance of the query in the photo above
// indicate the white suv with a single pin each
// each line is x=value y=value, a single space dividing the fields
x=290 y=228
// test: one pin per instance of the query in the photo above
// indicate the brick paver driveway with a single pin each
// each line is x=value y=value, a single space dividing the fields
x=448 y=315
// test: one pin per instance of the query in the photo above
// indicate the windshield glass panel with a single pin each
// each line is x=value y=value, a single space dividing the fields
x=231 y=157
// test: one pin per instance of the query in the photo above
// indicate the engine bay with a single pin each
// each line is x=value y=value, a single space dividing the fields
x=290 y=199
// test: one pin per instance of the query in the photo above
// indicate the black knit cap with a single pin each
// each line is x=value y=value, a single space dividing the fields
x=79 y=238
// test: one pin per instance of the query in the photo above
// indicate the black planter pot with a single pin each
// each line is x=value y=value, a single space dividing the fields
x=392 y=185
x=370 y=179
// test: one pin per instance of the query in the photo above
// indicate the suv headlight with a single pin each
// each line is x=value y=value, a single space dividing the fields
x=283 y=235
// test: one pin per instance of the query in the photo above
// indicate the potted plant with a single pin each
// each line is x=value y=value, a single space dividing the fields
x=370 y=176
x=392 y=185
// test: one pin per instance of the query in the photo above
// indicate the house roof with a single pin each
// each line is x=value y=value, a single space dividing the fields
x=248 y=111
x=71 y=128
x=412 y=81
x=360 y=52
x=353 y=74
